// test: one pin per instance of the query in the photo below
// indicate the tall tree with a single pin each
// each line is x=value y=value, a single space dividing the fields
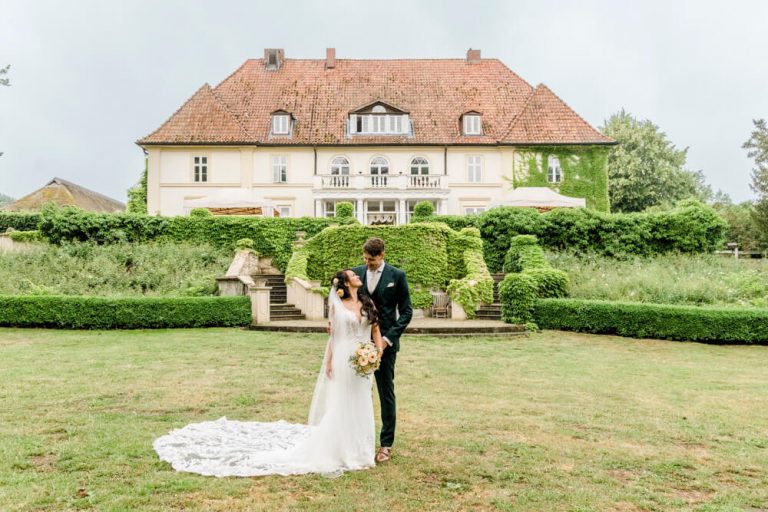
x=757 y=149
x=137 y=195
x=645 y=169
x=4 y=200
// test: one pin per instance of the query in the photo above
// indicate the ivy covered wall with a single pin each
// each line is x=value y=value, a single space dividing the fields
x=584 y=172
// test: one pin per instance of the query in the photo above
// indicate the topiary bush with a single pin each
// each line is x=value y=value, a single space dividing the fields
x=200 y=212
x=423 y=210
x=244 y=244
x=22 y=221
x=517 y=293
x=345 y=210
x=550 y=282
x=524 y=252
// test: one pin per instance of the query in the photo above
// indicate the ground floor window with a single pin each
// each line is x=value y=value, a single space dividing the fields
x=470 y=210
x=380 y=212
x=283 y=210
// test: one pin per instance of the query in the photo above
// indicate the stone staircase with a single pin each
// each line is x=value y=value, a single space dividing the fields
x=492 y=311
x=279 y=309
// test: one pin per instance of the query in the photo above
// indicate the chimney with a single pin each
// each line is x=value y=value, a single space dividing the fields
x=273 y=58
x=330 y=58
x=473 y=56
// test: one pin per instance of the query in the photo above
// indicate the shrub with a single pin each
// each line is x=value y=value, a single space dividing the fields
x=26 y=236
x=200 y=212
x=517 y=293
x=345 y=210
x=123 y=313
x=21 y=221
x=550 y=282
x=524 y=252
x=662 y=321
x=423 y=210
x=244 y=243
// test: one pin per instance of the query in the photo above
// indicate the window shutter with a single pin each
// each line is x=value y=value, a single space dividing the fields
x=352 y=123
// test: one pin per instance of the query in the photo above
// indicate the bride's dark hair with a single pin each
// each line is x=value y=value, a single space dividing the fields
x=368 y=309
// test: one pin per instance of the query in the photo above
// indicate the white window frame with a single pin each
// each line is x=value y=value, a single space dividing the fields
x=333 y=202
x=473 y=210
x=474 y=168
x=280 y=208
x=200 y=168
x=420 y=167
x=280 y=169
x=554 y=170
x=281 y=124
x=379 y=124
x=410 y=206
x=340 y=167
x=473 y=124
x=381 y=164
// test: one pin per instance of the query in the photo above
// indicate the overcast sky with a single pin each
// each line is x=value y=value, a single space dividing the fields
x=88 y=78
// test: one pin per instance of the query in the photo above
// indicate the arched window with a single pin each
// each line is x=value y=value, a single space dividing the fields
x=554 y=171
x=379 y=165
x=379 y=170
x=340 y=165
x=379 y=109
x=419 y=165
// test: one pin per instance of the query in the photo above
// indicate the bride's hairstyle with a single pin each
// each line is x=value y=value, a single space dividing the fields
x=342 y=283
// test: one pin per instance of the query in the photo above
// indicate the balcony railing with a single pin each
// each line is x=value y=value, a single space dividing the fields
x=380 y=181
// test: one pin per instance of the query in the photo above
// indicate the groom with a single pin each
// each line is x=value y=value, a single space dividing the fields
x=388 y=287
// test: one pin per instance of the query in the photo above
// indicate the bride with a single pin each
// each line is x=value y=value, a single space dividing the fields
x=340 y=435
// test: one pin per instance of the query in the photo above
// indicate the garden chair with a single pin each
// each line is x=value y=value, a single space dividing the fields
x=440 y=305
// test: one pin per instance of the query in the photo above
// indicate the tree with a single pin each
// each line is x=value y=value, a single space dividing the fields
x=4 y=71
x=4 y=200
x=137 y=195
x=757 y=148
x=645 y=169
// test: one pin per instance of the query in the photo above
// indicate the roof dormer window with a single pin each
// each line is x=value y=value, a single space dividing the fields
x=281 y=124
x=472 y=124
x=379 y=119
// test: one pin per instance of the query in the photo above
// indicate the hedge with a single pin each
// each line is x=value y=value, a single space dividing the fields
x=77 y=312
x=272 y=236
x=691 y=227
x=19 y=220
x=26 y=236
x=661 y=321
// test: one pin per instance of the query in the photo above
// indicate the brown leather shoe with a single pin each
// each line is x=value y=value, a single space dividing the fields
x=384 y=454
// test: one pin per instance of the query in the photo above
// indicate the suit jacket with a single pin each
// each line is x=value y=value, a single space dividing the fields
x=391 y=296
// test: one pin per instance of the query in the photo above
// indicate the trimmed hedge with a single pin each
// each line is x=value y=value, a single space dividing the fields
x=691 y=227
x=272 y=236
x=26 y=236
x=517 y=293
x=661 y=321
x=345 y=210
x=550 y=282
x=524 y=252
x=79 y=312
x=19 y=220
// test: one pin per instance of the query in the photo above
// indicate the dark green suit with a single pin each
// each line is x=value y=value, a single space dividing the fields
x=391 y=297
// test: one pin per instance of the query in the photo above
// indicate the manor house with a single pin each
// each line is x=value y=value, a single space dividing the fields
x=294 y=137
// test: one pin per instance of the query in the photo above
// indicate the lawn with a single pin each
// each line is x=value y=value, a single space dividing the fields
x=553 y=421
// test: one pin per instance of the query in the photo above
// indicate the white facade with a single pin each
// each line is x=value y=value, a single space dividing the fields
x=383 y=183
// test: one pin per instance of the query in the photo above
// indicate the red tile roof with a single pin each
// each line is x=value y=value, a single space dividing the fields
x=435 y=93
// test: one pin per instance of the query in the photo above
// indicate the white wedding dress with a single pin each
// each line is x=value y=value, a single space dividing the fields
x=340 y=435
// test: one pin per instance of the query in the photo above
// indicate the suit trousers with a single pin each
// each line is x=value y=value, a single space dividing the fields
x=385 y=383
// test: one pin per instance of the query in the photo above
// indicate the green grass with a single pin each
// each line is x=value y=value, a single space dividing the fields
x=550 y=422
x=115 y=270
x=670 y=279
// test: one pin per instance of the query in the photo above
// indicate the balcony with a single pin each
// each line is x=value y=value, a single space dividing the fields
x=381 y=181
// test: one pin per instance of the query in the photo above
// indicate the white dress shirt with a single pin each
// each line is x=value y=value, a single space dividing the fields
x=373 y=278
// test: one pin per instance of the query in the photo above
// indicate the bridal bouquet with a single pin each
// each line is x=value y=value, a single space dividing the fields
x=366 y=359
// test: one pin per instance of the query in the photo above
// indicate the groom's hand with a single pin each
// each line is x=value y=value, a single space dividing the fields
x=328 y=329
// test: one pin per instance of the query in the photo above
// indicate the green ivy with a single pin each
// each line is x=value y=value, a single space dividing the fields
x=431 y=254
x=345 y=210
x=22 y=221
x=26 y=236
x=517 y=293
x=585 y=172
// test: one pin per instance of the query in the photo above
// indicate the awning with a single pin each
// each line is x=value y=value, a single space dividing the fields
x=234 y=198
x=538 y=197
